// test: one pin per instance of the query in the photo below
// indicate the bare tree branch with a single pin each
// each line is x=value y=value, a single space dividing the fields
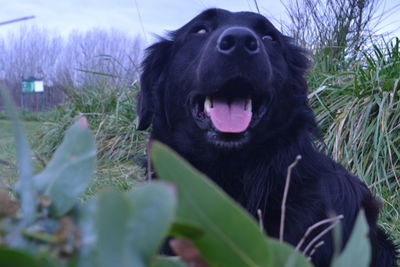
x=16 y=20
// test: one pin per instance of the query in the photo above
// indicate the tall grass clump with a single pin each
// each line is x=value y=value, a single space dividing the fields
x=359 y=115
x=355 y=90
x=110 y=111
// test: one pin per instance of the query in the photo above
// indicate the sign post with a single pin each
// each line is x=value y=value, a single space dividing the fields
x=32 y=85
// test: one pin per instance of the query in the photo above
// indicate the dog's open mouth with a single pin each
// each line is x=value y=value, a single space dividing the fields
x=231 y=110
x=229 y=115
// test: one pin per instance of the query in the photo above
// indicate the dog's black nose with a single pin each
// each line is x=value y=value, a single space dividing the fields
x=238 y=39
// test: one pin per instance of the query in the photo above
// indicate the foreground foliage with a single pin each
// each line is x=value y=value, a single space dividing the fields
x=357 y=107
x=48 y=226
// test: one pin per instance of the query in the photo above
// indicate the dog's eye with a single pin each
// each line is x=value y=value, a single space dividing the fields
x=267 y=38
x=201 y=30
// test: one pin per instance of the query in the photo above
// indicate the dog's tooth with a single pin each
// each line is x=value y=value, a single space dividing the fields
x=207 y=105
x=248 y=105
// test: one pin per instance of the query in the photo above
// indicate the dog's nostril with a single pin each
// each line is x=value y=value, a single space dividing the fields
x=251 y=44
x=227 y=43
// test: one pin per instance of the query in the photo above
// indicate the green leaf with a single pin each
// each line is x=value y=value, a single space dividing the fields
x=358 y=249
x=231 y=237
x=16 y=258
x=88 y=231
x=286 y=256
x=112 y=219
x=132 y=226
x=154 y=207
x=186 y=230
x=70 y=170
x=27 y=193
x=168 y=262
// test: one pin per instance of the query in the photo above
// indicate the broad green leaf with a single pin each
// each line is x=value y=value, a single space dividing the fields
x=27 y=193
x=70 y=170
x=286 y=256
x=168 y=262
x=357 y=251
x=132 y=226
x=185 y=230
x=16 y=258
x=114 y=211
x=231 y=237
x=154 y=207
x=88 y=237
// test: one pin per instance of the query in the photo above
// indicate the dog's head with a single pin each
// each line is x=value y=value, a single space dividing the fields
x=225 y=79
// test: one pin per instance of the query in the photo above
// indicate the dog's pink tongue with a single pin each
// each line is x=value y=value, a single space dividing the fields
x=230 y=117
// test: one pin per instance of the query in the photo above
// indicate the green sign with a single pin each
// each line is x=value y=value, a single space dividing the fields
x=28 y=87
x=32 y=85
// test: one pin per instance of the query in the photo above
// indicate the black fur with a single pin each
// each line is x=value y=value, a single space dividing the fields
x=182 y=69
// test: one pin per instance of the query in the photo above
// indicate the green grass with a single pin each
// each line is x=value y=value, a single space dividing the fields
x=119 y=174
x=111 y=115
x=26 y=115
x=359 y=115
x=8 y=172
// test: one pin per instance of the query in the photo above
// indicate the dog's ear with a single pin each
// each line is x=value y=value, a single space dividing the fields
x=153 y=67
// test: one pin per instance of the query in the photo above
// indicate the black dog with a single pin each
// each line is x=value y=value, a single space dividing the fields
x=227 y=92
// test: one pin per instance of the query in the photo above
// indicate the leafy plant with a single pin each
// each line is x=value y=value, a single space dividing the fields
x=48 y=226
x=239 y=242
x=70 y=170
x=48 y=218
x=128 y=228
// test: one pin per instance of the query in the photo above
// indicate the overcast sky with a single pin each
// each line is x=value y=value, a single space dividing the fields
x=135 y=16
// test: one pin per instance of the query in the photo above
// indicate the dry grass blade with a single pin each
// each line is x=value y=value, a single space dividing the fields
x=260 y=220
x=315 y=249
x=316 y=225
x=315 y=239
x=256 y=4
x=285 y=193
